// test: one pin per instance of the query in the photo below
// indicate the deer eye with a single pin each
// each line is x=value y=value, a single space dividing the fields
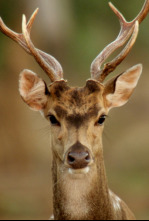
x=53 y=120
x=101 y=120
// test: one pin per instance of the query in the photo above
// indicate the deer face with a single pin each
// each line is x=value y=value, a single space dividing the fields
x=76 y=118
x=76 y=115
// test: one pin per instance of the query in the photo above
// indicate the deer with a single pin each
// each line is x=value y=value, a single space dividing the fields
x=76 y=118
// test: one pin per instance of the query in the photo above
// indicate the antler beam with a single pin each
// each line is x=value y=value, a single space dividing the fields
x=128 y=29
x=48 y=63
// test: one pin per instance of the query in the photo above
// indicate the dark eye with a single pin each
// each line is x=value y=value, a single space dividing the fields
x=101 y=120
x=54 y=121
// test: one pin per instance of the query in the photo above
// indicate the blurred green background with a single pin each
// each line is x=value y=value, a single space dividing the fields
x=74 y=31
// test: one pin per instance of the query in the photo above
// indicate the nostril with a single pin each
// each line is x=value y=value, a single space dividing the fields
x=71 y=159
x=87 y=158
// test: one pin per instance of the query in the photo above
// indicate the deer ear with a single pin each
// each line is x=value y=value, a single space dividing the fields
x=33 y=90
x=118 y=91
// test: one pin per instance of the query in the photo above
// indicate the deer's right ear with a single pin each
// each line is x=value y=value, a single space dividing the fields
x=118 y=90
x=33 y=90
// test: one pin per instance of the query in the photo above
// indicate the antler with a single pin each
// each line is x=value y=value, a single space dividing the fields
x=127 y=29
x=48 y=63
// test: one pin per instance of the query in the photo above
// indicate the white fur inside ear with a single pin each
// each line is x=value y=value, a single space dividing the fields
x=32 y=90
x=125 y=85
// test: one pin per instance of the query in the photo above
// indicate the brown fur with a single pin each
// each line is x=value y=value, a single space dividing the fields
x=76 y=103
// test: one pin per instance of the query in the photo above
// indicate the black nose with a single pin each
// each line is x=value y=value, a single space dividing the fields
x=78 y=156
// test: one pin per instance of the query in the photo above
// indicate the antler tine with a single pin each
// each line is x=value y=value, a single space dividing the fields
x=49 y=64
x=127 y=29
x=111 y=66
x=19 y=38
x=31 y=20
x=36 y=53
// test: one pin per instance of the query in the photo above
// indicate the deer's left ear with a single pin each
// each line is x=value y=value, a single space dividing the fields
x=118 y=91
x=33 y=90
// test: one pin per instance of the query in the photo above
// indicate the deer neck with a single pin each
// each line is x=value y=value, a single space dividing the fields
x=85 y=197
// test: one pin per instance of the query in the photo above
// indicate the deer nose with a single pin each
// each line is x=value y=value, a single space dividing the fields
x=78 y=156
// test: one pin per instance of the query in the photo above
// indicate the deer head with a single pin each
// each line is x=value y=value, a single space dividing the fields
x=76 y=115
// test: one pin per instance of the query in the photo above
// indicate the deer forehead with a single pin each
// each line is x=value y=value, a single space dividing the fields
x=76 y=104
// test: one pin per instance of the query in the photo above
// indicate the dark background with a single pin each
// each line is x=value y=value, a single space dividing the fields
x=74 y=31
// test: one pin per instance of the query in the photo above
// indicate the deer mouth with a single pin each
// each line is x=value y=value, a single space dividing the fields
x=82 y=171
